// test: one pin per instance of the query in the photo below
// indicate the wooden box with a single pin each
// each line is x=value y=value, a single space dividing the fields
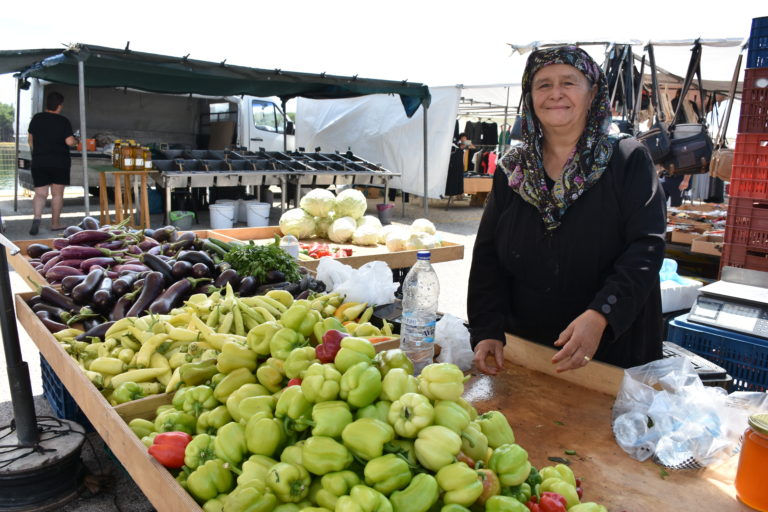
x=684 y=237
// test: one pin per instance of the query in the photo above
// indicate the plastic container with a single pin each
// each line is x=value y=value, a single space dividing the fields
x=750 y=159
x=421 y=290
x=753 y=462
x=385 y=213
x=222 y=215
x=235 y=208
x=182 y=219
x=258 y=214
x=753 y=115
x=741 y=256
x=62 y=403
x=744 y=357
x=757 y=54
x=290 y=244
x=747 y=223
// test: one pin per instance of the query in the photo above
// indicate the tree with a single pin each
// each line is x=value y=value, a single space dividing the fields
x=6 y=122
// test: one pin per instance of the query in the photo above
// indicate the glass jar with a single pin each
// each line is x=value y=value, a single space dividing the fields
x=750 y=481
x=147 y=159
x=138 y=158
x=116 y=154
x=126 y=157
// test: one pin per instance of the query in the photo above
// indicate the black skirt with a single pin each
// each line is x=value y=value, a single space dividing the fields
x=44 y=176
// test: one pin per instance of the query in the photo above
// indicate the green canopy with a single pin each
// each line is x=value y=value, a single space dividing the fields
x=110 y=67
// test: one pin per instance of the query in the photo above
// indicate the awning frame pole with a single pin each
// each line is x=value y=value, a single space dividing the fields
x=426 y=163
x=83 y=137
x=16 y=159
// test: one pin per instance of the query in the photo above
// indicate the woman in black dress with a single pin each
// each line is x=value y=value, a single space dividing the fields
x=572 y=238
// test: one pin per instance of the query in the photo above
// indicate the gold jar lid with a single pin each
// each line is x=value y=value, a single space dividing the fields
x=759 y=423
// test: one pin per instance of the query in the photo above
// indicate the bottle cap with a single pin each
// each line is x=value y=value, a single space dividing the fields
x=759 y=423
x=423 y=255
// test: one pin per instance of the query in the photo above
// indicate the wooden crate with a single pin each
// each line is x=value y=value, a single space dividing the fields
x=360 y=255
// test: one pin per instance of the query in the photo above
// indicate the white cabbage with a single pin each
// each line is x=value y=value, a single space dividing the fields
x=298 y=223
x=350 y=203
x=396 y=240
x=423 y=226
x=321 y=226
x=421 y=240
x=342 y=229
x=367 y=234
x=369 y=219
x=319 y=202
x=386 y=230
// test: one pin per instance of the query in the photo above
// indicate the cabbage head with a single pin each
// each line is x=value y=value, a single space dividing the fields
x=420 y=240
x=396 y=240
x=318 y=202
x=321 y=226
x=298 y=223
x=342 y=229
x=366 y=234
x=423 y=226
x=386 y=230
x=350 y=203
x=370 y=220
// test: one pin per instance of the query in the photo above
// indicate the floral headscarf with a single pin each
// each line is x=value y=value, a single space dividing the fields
x=524 y=165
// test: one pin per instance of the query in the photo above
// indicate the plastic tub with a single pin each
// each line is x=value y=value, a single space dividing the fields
x=235 y=207
x=385 y=213
x=182 y=220
x=258 y=214
x=222 y=215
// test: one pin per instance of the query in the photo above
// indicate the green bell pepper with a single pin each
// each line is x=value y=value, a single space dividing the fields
x=396 y=383
x=250 y=498
x=366 y=437
x=141 y=427
x=496 y=428
x=209 y=480
x=411 y=413
x=326 y=325
x=200 y=372
x=453 y=507
x=378 y=410
x=255 y=468
x=363 y=499
x=332 y=486
x=261 y=406
x=474 y=444
x=178 y=398
x=215 y=505
x=460 y=484
x=452 y=415
x=360 y=385
x=293 y=454
x=321 y=383
x=289 y=482
x=199 y=399
x=295 y=318
x=442 y=381
x=259 y=337
x=563 y=488
x=232 y=382
x=298 y=361
x=172 y=421
x=510 y=463
x=271 y=374
x=284 y=341
x=264 y=436
x=560 y=471
x=387 y=474
x=199 y=451
x=330 y=418
x=504 y=504
x=405 y=449
x=534 y=481
x=292 y=507
x=322 y=455
x=294 y=406
x=236 y=355
x=419 y=496
x=521 y=493
x=387 y=360
x=245 y=391
x=353 y=351
x=467 y=407
x=126 y=392
x=211 y=421
x=230 y=444
x=437 y=446
x=588 y=506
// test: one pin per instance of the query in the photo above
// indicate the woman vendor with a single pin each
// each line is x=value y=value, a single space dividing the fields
x=572 y=237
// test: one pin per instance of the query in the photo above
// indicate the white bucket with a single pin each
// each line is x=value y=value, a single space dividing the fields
x=258 y=214
x=242 y=210
x=233 y=203
x=222 y=215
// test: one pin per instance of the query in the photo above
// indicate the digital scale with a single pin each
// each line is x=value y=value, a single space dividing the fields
x=738 y=302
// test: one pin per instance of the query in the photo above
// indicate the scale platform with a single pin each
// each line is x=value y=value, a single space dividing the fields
x=738 y=302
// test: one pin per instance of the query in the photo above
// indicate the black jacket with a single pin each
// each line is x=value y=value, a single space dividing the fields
x=605 y=255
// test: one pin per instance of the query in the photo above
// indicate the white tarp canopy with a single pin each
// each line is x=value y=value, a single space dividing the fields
x=376 y=128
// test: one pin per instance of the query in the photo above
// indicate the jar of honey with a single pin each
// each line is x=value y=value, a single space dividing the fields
x=116 y=154
x=147 y=159
x=138 y=158
x=750 y=481
x=126 y=157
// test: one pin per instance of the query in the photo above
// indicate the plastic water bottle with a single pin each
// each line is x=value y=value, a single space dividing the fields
x=421 y=290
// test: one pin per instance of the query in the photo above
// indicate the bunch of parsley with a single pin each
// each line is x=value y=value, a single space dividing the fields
x=258 y=260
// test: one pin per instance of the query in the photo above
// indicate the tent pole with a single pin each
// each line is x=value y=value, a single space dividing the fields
x=503 y=147
x=426 y=162
x=83 y=138
x=285 y=134
x=16 y=159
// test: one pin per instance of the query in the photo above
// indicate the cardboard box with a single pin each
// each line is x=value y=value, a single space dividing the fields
x=684 y=237
x=708 y=244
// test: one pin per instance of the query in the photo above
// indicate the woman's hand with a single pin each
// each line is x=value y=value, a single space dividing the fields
x=684 y=184
x=489 y=347
x=579 y=341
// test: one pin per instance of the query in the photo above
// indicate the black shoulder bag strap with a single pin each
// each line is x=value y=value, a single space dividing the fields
x=658 y=112
x=694 y=69
x=638 y=95
x=723 y=128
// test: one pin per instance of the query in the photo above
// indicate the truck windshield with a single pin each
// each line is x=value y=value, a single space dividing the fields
x=267 y=117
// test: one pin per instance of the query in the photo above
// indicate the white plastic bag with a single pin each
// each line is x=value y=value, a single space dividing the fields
x=453 y=337
x=372 y=283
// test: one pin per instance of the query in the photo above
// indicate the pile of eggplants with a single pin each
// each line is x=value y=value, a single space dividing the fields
x=109 y=272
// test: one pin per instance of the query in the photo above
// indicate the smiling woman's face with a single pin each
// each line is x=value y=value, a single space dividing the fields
x=561 y=97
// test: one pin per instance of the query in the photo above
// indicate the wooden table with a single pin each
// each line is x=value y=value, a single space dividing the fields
x=124 y=207
x=479 y=188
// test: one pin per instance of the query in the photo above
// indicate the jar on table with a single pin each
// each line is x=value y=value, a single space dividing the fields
x=138 y=158
x=116 y=153
x=147 y=158
x=126 y=157
x=750 y=482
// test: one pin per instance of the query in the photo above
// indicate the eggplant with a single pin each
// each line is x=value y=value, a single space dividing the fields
x=103 y=297
x=74 y=263
x=90 y=236
x=59 y=272
x=44 y=258
x=228 y=276
x=195 y=257
x=148 y=243
x=221 y=267
x=49 y=323
x=52 y=296
x=100 y=261
x=200 y=270
x=90 y=223
x=153 y=287
x=123 y=284
x=71 y=230
x=49 y=264
x=130 y=267
x=91 y=323
x=139 y=283
x=261 y=290
x=275 y=276
x=54 y=312
x=122 y=306
x=181 y=269
x=113 y=245
x=83 y=292
x=35 y=300
x=34 y=261
x=85 y=252
x=303 y=270
x=248 y=286
x=184 y=241
x=68 y=283
x=163 y=234
x=304 y=282
x=133 y=249
x=158 y=265
x=173 y=296
x=303 y=295
x=37 y=250
x=154 y=250
x=148 y=232
x=60 y=243
x=206 y=288
x=97 y=332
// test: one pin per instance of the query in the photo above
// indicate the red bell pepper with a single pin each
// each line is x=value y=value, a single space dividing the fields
x=168 y=448
x=294 y=382
x=549 y=502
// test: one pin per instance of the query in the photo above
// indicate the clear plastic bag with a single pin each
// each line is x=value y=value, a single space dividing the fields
x=453 y=337
x=371 y=283
x=664 y=411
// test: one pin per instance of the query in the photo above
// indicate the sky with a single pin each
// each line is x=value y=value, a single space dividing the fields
x=437 y=43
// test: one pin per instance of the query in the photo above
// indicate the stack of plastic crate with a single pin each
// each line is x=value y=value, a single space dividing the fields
x=746 y=234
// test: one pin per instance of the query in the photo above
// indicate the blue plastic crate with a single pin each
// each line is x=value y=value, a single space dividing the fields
x=62 y=403
x=745 y=358
x=757 y=54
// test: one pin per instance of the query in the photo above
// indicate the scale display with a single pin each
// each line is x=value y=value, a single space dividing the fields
x=730 y=315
